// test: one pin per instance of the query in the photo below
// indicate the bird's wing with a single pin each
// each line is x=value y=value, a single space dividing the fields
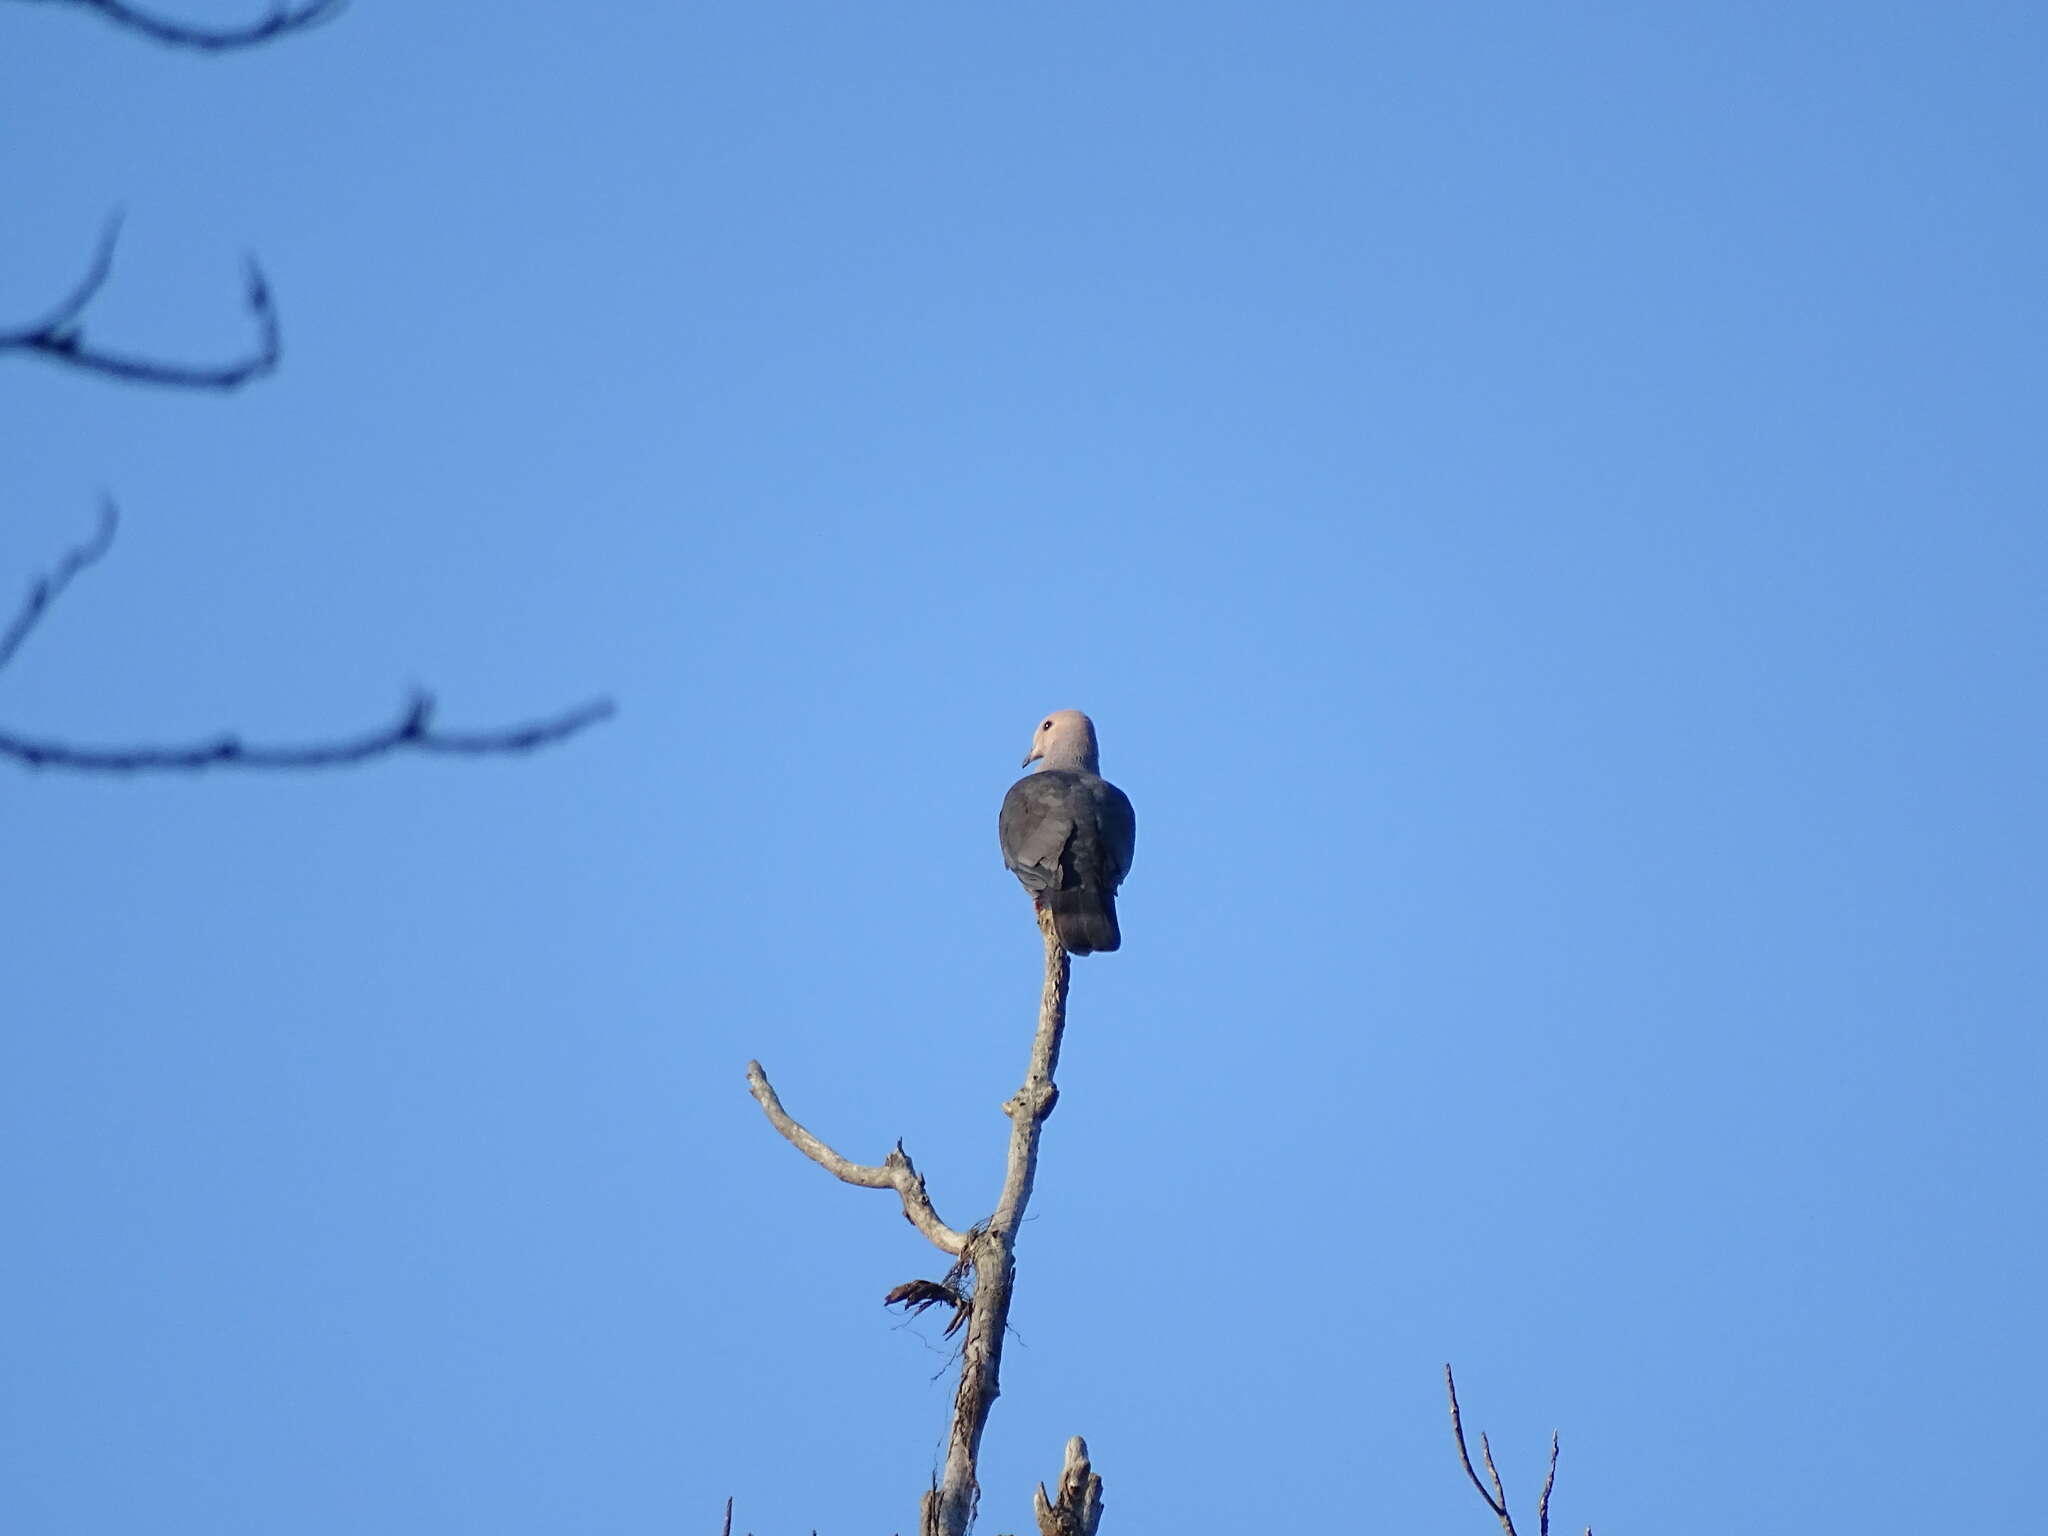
x=1037 y=820
x=1119 y=832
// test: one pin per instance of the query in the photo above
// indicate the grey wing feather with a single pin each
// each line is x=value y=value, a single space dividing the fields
x=1036 y=822
x=1119 y=832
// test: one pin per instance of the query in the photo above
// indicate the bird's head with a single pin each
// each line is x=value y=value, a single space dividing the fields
x=1064 y=739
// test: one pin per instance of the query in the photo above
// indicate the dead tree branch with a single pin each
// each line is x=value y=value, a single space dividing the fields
x=1497 y=1499
x=60 y=335
x=949 y=1508
x=176 y=34
x=412 y=731
x=896 y=1171
x=1077 y=1511
x=980 y=1284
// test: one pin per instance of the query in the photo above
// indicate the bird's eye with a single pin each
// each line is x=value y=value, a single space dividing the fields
x=1047 y=726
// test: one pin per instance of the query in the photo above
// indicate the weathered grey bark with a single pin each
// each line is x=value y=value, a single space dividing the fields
x=896 y=1171
x=1077 y=1511
x=988 y=1253
x=949 y=1508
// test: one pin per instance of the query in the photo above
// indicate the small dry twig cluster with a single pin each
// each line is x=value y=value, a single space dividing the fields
x=979 y=1284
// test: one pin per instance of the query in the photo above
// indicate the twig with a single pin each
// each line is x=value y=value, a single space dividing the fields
x=1549 y=1482
x=412 y=731
x=949 y=1508
x=47 y=589
x=1497 y=1500
x=60 y=337
x=177 y=34
x=727 y=1531
x=1500 y=1494
x=896 y=1171
x=1499 y=1506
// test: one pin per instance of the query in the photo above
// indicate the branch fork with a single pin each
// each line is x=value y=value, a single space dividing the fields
x=1497 y=1499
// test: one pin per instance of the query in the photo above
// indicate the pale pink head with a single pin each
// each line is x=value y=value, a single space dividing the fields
x=1064 y=739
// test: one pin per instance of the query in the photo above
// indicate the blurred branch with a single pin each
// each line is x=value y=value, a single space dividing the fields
x=60 y=335
x=412 y=731
x=47 y=589
x=409 y=732
x=1497 y=1499
x=176 y=34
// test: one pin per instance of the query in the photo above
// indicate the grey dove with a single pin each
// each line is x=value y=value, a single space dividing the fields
x=1067 y=833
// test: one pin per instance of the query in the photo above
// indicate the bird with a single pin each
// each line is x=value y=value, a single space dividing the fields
x=1067 y=833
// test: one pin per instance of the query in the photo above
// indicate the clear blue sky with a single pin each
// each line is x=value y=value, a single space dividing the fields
x=1547 y=506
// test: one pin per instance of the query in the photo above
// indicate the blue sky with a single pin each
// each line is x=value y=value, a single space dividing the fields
x=1546 y=506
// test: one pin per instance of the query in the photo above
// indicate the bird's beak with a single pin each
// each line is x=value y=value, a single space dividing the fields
x=1035 y=754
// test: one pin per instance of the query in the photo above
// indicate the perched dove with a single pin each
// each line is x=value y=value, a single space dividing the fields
x=1067 y=832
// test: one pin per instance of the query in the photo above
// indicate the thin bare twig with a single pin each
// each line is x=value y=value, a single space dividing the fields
x=1549 y=1482
x=1500 y=1494
x=412 y=731
x=896 y=1171
x=727 y=1531
x=60 y=335
x=47 y=589
x=178 y=34
x=1498 y=1506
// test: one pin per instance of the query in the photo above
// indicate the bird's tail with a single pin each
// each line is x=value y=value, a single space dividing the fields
x=1085 y=920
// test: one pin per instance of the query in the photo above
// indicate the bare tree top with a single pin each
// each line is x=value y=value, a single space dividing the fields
x=280 y=20
x=1497 y=1499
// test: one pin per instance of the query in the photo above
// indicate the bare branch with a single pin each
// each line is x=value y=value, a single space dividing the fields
x=1078 y=1509
x=97 y=271
x=47 y=589
x=1498 y=1506
x=1500 y=1494
x=949 y=1508
x=176 y=34
x=727 y=1531
x=896 y=1171
x=412 y=731
x=60 y=335
x=1497 y=1500
x=1549 y=1482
